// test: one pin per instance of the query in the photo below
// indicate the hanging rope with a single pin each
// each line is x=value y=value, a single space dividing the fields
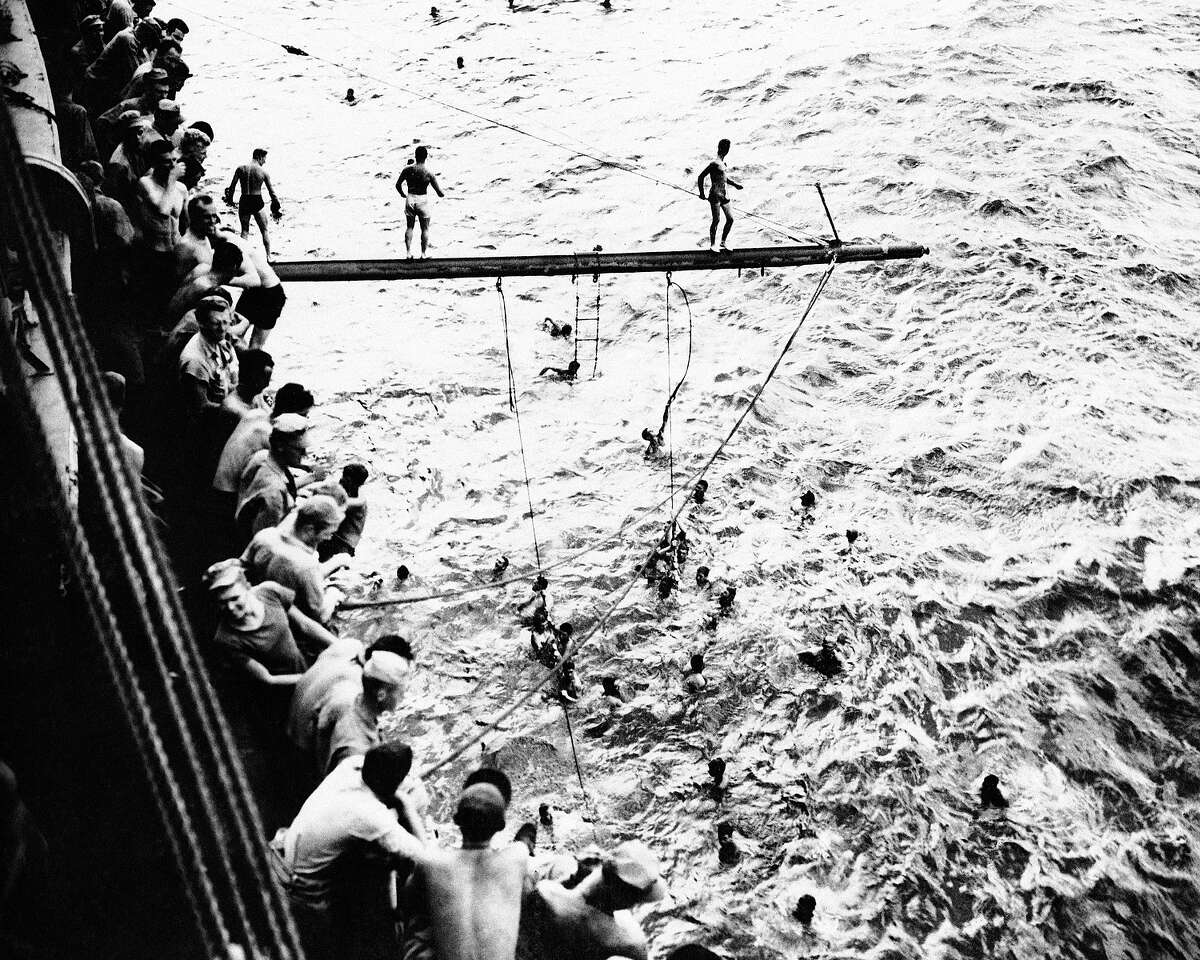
x=587 y=800
x=575 y=645
x=575 y=284
x=515 y=408
x=591 y=153
x=688 y=364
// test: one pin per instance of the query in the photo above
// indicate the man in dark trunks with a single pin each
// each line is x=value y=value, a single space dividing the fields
x=416 y=202
x=717 y=196
x=253 y=178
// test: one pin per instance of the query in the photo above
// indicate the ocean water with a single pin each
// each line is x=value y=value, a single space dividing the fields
x=1009 y=425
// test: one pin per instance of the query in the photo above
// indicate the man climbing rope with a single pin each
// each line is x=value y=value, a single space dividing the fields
x=717 y=197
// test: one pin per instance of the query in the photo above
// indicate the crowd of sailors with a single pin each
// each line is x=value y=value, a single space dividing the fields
x=180 y=309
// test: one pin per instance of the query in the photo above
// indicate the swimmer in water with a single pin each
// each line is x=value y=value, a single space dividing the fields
x=717 y=196
x=694 y=680
x=569 y=373
x=253 y=178
x=418 y=180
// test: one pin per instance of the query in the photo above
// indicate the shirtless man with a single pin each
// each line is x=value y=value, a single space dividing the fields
x=717 y=197
x=253 y=178
x=589 y=922
x=194 y=247
x=473 y=894
x=224 y=269
x=261 y=303
x=416 y=202
x=159 y=198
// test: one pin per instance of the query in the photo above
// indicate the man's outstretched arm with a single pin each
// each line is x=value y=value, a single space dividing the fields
x=436 y=188
x=700 y=180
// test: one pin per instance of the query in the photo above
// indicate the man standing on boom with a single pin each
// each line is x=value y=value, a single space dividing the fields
x=416 y=202
x=717 y=197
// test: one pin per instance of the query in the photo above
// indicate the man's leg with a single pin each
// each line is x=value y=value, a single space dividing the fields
x=262 y=228
x=716 y=218
x=258 y=338
x=728 y=222
x=424 y=232
x=411 y=219
x=245 y=219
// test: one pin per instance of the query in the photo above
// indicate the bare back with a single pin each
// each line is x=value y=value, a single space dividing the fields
x=475 y=901
x=417 y=178
x=252 y=177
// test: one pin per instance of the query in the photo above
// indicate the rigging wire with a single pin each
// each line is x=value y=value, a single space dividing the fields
x=603 y=619
x=592 y=153
x=671 y=425
x=515 y=408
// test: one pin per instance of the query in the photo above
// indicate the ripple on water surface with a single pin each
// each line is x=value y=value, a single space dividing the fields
x=1004 y=426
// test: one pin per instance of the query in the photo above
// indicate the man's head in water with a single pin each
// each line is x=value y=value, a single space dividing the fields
x=421 y=153
x=480 y=813
x=260 y=155
x=143 y=8
x=722 y=148
x=354 y=475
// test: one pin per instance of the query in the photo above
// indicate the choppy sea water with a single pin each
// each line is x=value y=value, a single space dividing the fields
x=1008 y=424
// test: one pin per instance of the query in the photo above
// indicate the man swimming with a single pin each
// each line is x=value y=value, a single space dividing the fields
x=717 y=197
x=253 y=178
x=416 y=202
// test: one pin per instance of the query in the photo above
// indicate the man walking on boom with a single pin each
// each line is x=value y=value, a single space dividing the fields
x=717 y=196
x=416 y=202
x=253 y=178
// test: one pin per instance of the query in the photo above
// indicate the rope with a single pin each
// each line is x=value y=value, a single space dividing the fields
x=520 y=578
x=168 y=799
x=25 y=210
x=774 y=226
x=579 y=773
x=617 y=534
x=512 y=404
x=596 y=344
x=575 y=284
x=576 y=644
x=154 y=599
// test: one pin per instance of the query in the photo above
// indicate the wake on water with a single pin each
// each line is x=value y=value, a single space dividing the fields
x=1004 y=424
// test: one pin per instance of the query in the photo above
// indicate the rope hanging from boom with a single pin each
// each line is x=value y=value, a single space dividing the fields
x=603 y=619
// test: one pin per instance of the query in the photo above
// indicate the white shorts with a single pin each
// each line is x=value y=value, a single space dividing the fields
x=417 y=206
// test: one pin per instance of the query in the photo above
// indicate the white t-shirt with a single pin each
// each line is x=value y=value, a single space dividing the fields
x=339 y=812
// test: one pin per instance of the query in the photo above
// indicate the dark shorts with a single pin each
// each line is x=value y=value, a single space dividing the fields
x=249 y=203
x=714 y=197
x=262 y=305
